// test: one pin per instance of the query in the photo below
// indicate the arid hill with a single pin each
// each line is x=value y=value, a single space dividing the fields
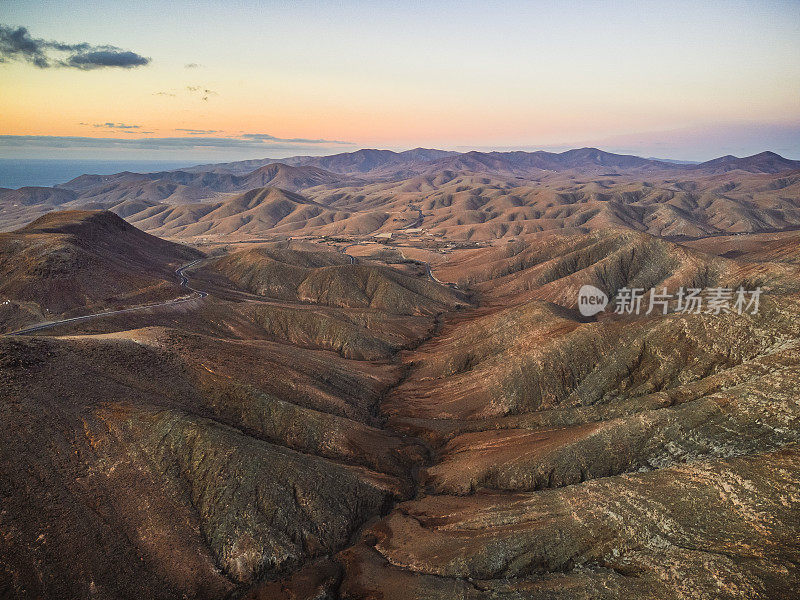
x=332 y=280
x=471 y=206
x=346 y=163
x=238 y=427
x=144 y=190
x=585 y=458
x=26 y=196
x=764 y=162
x=19 y=207
x=386 y=162
x=464 y=196
x=81 y=260
x=554 y=267
x=175 y=464
x=376 y=162
x=278 y=175
x=257 y=211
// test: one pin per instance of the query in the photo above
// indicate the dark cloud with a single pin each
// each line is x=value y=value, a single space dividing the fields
x=107 y=56
x=17 y=44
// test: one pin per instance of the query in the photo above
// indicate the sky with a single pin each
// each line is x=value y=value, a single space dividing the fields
x=207 y=81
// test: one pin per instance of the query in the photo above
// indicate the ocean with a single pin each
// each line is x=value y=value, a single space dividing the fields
x=17 y=173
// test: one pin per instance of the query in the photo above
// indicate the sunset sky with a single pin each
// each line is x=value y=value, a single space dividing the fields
x=247 y=79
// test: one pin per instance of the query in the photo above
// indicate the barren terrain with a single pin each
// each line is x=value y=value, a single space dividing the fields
x=377 y=384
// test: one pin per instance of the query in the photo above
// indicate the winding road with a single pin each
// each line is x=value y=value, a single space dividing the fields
x=431 y=275
x=344 y=251
x=416 y=223
x=427 y=265
x=184 y=282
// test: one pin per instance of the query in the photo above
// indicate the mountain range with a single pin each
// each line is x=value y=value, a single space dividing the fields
x=388 y=163
x=469 y=196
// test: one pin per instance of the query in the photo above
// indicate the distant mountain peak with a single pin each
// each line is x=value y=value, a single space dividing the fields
x=763 y=162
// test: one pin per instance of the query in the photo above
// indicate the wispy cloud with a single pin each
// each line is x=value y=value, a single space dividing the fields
x=267 y=137
x=110 y=125
x=192 y=66
x=197 y=91
x=129 y=144
x=269 y=142
x=18 y=45
x=199 y=131
x=204 y=93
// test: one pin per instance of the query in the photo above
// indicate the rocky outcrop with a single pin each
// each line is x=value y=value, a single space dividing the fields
x=717 y=529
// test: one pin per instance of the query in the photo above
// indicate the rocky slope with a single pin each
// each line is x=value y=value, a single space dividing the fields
x=83 y=260
x=179 y=465
x=330 y=279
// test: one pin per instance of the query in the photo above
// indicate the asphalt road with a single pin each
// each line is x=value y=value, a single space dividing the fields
x=431 y=275
x=427 y=265
x=352 y=258
x=416 y=223
x=184 y=282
